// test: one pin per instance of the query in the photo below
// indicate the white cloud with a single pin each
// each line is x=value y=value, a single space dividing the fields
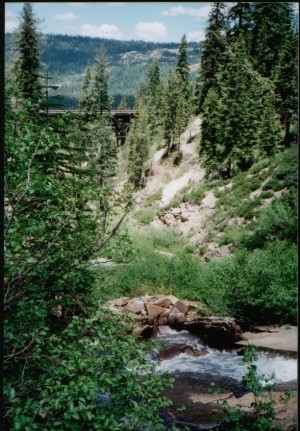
x=10 y=26
x=66 y=16
x=9 y=14
x=108 y=31
x=196 y=36
x=181 y=10
x=150 y=31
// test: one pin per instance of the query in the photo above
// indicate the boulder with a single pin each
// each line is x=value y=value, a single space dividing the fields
x=219 y=332
x=181 y=307
x=192 y=305
x=175 y=349
x=154 y=310
x=172 y=299
x=145 y=331
x=135 y=306
x=176 y=317
x=121 y=302
x=162 y=302
x=137 y=317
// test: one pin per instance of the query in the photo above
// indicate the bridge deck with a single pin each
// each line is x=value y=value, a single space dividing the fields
x=113 y=112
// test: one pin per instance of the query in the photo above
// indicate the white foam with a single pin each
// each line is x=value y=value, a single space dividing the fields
x=229 y=364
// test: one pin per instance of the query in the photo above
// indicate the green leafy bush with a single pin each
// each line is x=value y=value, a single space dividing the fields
x=274 y=185
x=263 y=288
x=266 y=194
x=259 y=166
x=146 y=215
x=249 y=208
x=92 y=375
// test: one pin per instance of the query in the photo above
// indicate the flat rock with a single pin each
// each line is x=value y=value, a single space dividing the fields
x=154 y=310
x=135 y=306
x=253 y=335
x=173 y=299
x=283 y=341
x=162 y=302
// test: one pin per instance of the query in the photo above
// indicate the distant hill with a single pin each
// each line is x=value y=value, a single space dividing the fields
x=67 y=57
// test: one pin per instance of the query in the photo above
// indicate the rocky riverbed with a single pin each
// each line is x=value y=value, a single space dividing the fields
x=192 y=352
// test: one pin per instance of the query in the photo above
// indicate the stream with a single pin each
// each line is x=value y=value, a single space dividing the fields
x=196 y=378
x=222 y=363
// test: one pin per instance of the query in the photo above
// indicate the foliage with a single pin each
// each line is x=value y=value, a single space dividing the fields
x=255 y=286
x=27 y=67
x=212 y=54
x=263 y=417
x=146 y=215
x=91 y=375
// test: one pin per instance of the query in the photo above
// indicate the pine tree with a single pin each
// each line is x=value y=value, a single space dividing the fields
x=285 y=79
x=269 y=130
x=182 y=66
x=240 y=18
x=102 y=100
x=124 y=102
x=211 y=55
x=170 y=102
x=272 y=24
x=85 y=102
x=28 y=65
x=138 y=141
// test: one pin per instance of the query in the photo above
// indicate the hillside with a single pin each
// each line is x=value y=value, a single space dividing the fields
x=67 y=57
x=205 y=239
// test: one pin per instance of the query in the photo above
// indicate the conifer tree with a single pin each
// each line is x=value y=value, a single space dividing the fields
x=138 y=141
x=240 y=17
x=85 y=102
x=272 y=25
x=171 y=102
x=182 y=66
x=28 y=65
x=269 y=130
x=124 y=102
x=211 y=55
x=102 y=100
x=286 y=90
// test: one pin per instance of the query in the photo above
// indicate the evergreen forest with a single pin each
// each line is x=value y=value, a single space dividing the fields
x=72 y=196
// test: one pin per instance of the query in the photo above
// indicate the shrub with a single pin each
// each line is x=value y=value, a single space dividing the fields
x=263 y=286
x=254 y=185
x=197 y=194
x=146 y=215
x=264 y=174
x=274 y=185
x=259 y=166
x=94 y=383
x=248 y=209
x=266 y=194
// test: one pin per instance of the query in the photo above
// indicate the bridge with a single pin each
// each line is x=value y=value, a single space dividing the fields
x=120 y=118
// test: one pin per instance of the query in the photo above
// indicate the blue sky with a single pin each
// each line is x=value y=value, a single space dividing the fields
x=149 y=21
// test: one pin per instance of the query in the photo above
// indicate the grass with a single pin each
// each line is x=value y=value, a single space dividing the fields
x=146 y=215
x=258 y=285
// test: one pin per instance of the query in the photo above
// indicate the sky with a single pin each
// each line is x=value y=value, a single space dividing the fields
x=148 y=21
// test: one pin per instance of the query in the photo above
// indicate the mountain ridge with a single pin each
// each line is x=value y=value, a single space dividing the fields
x=67 y=57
